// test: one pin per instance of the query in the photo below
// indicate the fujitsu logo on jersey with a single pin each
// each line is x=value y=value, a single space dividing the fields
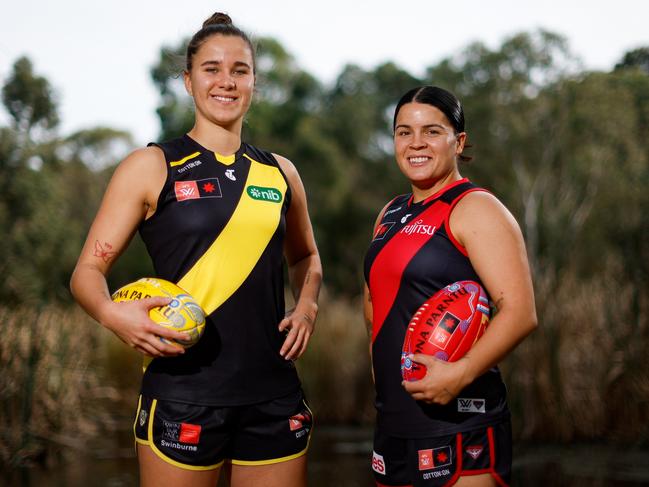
x=418 y=228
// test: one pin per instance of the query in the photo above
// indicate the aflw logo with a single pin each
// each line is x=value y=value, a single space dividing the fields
x=470 y=405
x=418 y=228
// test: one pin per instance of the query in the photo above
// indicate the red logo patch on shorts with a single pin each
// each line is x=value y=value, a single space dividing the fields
x=189 y=433
x=426 y=459
x=434 y=458
x=296 y=422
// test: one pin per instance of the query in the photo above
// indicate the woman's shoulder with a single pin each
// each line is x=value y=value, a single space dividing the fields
x=142 y=172
x=479 y=201
x=480 y=210
x=288 y=168
x=143 y=159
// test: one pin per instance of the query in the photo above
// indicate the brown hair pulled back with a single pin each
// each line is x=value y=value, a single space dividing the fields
x=218 y=24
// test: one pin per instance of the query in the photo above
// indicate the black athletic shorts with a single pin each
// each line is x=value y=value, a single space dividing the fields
x=440 y=461
x=203 y=437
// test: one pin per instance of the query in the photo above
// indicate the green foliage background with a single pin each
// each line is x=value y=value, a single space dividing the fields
x=567 y=150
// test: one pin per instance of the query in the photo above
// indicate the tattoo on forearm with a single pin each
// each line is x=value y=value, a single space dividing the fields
x=104 y=252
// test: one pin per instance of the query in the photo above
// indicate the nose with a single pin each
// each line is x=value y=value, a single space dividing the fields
x=417 y=141
x=226 y=81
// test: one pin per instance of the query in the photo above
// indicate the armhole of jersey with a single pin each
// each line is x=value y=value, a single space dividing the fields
x=447 y=220
x=289 y=190
x=166 y=182
x=382 y=214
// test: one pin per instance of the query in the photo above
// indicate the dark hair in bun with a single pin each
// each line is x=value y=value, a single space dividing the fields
x=443 y=100
x=221 y=24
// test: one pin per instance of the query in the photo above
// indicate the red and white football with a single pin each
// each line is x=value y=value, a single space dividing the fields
x=446 y=326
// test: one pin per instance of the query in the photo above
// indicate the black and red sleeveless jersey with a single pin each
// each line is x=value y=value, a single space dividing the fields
x=218 y=232
x=413 y=255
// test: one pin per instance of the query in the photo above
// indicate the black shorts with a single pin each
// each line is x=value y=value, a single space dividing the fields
x=203 y=437
x=440 y=461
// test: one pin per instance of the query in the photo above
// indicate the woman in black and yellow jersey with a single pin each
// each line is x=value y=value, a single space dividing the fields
x=217 y=216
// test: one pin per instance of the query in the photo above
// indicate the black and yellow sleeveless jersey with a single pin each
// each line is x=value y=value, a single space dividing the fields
x=218 y=232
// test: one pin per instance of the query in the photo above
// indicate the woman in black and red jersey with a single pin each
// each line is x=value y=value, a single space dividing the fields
x=452 y=427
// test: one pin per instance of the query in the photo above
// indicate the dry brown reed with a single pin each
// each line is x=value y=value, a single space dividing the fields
x=335 y=369
x=52 y=395
x=582 y=375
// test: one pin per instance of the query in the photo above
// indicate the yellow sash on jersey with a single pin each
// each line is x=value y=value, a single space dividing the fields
x=229 y=260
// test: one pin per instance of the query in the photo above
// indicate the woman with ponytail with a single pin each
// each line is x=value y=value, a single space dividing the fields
x=217 y=216
x=452 y=427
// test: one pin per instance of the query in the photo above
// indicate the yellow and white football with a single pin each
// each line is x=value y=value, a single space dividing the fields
x=183 y=313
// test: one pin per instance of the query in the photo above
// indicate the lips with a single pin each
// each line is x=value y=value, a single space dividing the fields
x=224 y=99
x=416 y=160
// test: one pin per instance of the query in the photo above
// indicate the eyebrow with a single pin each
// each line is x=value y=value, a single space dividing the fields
x=403 y=125
x=218 y=63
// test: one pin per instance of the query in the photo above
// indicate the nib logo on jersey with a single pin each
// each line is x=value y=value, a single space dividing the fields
x=264 y=194
x=201 y=188
x=180 y=436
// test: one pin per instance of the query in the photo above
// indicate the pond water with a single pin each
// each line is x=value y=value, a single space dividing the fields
x=340 y=457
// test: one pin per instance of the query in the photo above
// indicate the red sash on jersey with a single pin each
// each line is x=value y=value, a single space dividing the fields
x=390 y=262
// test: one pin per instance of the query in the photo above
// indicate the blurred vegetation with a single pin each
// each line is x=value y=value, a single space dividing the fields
x=564 y=148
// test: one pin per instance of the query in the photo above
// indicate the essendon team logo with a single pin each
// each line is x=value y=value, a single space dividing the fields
x=474 y=451
x=202 y=188
x=382 y=229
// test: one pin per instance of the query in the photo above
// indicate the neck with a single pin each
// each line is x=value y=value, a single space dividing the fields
x=421 y=191
x=222 y=140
